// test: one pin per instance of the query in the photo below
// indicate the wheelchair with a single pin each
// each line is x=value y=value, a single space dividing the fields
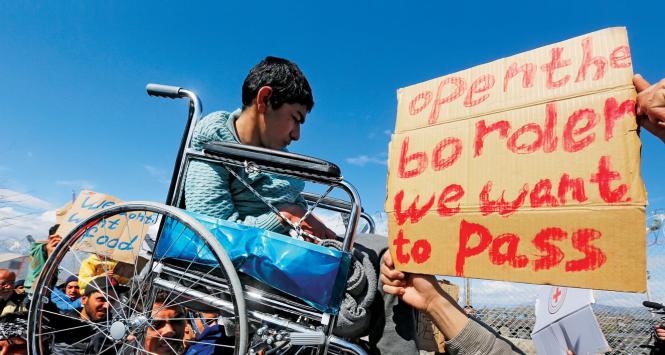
x=267 y=293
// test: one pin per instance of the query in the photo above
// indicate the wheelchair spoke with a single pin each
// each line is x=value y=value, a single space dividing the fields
x=106 y=270
x=77 y=311
x=96 y=287
x=200 y=342
x=185 y=272
x=87 y=338
x=62 y=315
x=64 y=330
x=136 y=287
x=104 y=343
x=138 y=347
x=140 y=310
x=192 y=299
x=161 y=337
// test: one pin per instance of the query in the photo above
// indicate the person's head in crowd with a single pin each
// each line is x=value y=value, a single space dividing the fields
x=167 y=332
x=18 y=287
x=71 y=287
x=97 y=298
x=278 y=97
x=7 y=279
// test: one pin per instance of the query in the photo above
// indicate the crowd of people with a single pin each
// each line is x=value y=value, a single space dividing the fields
x=276 y=98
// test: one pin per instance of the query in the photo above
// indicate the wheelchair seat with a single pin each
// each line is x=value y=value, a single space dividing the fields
x=310 y=272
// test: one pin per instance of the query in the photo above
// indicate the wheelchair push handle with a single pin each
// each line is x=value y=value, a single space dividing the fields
x=172 y=92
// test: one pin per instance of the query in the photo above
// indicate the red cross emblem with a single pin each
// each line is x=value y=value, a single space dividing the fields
x=556 y=300
x=557 y=294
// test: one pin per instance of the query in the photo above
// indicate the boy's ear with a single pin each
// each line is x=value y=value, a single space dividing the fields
x=263 y=98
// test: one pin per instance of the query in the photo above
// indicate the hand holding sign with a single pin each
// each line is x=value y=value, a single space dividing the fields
x=651 y=105
x=52 y=243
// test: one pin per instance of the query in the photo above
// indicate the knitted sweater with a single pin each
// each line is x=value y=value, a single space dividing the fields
x=477 y=339
x=210 y=189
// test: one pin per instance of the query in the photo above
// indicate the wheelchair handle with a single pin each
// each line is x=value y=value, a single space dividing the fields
x=172 y=92
x=653 y=305
x=195 y=109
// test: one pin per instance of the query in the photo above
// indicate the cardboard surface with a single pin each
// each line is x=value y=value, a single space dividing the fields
x=533 y=178
x=118 y=237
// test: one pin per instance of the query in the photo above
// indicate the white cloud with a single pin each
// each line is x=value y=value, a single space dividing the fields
x=77 y=184
x=159 y=174
x=22 y=214
x=388 y=132
x=10 y=197
x=363 y=160
x=15 y=225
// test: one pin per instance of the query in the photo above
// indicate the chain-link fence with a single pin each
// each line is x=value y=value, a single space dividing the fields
x=509 y=307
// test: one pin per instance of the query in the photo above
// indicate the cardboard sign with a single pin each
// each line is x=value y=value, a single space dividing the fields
x=117 y=237
x=525 y=169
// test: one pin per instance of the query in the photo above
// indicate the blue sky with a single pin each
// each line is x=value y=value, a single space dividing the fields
x=75 y=114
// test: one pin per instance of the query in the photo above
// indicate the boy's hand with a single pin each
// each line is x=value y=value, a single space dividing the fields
x=311 y=224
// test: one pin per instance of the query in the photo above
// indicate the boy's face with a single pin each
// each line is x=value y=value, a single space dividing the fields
x=282 y=126
x=72 y=290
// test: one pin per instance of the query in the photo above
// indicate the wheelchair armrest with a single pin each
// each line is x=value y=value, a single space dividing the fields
x=272 y=160
x=330 y=202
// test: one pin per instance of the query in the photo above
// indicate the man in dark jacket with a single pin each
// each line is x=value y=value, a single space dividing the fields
x=85 y=332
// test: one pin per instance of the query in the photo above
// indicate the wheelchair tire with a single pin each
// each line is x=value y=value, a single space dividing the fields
x=155 y=299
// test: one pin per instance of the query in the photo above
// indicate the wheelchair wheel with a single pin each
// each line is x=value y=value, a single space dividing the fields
x=137 y=296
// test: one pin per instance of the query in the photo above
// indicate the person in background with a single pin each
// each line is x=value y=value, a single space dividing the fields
x=167 y=332
x=97 y=265
x=10 y=301
x=39 y=252
x=67 y=296
x=463 y=334
x=212 y=338
x=19 y=287
x=77 y=332
x=650 y=109
x=13 y=314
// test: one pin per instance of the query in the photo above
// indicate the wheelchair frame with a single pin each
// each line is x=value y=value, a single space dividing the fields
x=274 y=315
x=175 y=197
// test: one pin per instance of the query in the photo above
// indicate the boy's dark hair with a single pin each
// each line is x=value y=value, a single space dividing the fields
x=288 y=83
x=53 y=229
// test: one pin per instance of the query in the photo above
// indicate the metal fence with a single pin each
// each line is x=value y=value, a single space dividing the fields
x=509 y=307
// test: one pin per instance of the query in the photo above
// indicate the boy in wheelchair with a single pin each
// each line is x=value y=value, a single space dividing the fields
x=276 y=98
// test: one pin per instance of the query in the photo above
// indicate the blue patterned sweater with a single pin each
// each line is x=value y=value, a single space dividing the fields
x=210 y=189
